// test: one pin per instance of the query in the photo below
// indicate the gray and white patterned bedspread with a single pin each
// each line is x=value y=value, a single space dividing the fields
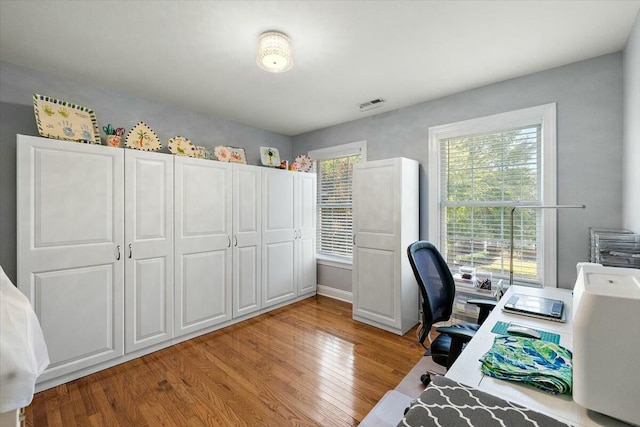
x=448 y=403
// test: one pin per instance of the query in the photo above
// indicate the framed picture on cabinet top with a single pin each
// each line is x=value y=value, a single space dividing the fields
x=237 y=155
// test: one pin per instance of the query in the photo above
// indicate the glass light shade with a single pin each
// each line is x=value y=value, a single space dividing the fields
x=274 y=52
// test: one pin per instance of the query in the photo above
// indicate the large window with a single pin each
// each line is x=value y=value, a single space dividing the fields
x=481 y=168
x=334 y=167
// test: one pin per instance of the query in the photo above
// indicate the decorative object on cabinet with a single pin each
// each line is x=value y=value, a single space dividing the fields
x=65 y=120
x=113 y=141
x=141 y=137
x=202 y=152
x=182 y=147
x=304 y=163
x=269 y=156
x=108 y=129
x=222 y=153
x=113 y=136
x=237 y=155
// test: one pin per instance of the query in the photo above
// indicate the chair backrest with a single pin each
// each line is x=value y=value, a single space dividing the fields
x=434 y=280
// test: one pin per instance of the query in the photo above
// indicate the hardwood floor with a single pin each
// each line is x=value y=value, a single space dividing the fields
x=307 y=364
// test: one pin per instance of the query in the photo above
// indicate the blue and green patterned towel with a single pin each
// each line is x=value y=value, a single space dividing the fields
x=542 y=364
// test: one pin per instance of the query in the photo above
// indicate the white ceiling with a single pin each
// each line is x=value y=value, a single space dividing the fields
x=200 y=55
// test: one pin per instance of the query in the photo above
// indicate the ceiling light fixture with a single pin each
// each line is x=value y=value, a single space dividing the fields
x=274 y=52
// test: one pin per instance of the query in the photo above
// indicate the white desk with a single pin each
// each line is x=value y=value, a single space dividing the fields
x=466 y=369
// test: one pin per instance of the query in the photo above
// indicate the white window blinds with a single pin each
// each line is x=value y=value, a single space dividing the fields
x=481 y=176
x=335 y=218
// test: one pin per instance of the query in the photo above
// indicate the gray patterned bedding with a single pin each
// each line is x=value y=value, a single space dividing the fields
x=448 y=403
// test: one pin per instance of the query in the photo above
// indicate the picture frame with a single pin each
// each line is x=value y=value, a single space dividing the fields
x=238 y=155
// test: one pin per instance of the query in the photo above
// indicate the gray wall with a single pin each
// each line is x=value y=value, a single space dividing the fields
x=17 y=86
x=631 y=75
x=589 y=110
x=589 y=95
x=335 y=277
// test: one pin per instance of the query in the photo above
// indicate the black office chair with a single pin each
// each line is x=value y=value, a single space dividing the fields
x=438 y=289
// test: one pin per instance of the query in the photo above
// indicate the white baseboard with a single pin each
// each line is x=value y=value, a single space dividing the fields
x=335 y=293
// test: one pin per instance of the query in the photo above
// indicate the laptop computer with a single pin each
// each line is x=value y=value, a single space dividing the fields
x=543 y=308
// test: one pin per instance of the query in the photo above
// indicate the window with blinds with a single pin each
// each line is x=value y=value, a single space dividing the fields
x=482 y=176
x=335 y=218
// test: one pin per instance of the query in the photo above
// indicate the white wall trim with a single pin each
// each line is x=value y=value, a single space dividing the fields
x=335 y=262
x=335 y=293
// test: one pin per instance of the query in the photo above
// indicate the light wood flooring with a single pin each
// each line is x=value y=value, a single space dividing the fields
x=307 y=364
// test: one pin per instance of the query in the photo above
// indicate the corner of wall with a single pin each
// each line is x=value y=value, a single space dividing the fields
x=631 y=130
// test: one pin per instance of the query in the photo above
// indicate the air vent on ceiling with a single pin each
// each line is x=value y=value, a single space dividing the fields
x=370 y=105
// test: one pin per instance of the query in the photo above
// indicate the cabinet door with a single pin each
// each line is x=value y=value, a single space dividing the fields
x=376 y=262
x=202 y=244
x=305 y=212
x=278 y=273
x=70 y=235
x=149 y=249
x=247 y=242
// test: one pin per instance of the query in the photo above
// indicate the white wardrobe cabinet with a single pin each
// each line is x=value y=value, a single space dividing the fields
x=124 y=252
x=247 y=239
x=202 y=244
x=305 y=224
x=278 y=237
x=148 y=251
x=70 y=240
x=288 y=235
x=385 y=222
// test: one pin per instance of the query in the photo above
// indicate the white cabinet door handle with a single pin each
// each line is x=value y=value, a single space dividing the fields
x=130 y=251
x=354 y=240
x=118 y=253
x=235 y=240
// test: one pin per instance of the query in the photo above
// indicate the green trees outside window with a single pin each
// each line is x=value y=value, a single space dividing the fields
x=482 y=175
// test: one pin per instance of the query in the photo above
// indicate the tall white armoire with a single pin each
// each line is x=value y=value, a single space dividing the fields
x=385 y=223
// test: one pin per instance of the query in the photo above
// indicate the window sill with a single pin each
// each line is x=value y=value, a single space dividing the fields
x=333 y=261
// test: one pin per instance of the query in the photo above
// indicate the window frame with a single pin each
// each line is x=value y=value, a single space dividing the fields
x=342 y=150
x=544 y=115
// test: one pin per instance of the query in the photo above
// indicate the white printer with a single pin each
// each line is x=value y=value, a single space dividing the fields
x=606 y=341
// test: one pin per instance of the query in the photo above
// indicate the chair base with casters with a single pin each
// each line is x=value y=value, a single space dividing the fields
x=447 y=346
x=437 y=289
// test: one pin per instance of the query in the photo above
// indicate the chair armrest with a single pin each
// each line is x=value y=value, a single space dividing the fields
x=486 y=305
x=461 y=334
x=459 y=337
